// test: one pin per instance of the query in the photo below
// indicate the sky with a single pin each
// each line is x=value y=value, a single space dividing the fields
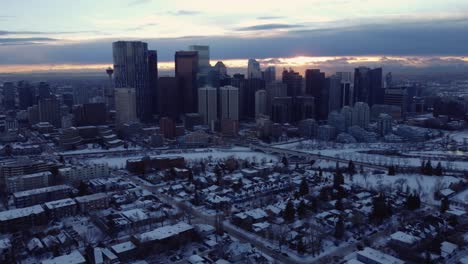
x=66 y=35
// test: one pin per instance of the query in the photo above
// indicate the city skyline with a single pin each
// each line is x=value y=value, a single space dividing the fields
x=334 y=33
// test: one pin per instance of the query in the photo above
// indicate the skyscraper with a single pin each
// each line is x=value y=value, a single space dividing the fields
x=208 y=105
x=43 y=90
x=275 y=89
x=269 y=75
x=361 y=114
x=229 y=103
x=186 y=69
x=9 y=95
x=109 y=90
x=253 y=69
x=293 y=81
x=49 y=111
x=203 y=55
x=153 y=79
x=282 y=109
x=334 y=93
x=368 y=86
x=247 y=97
x=131 y=70
x=168 y=94
x=316 y=86
x=125 y=106
x=26 y=95
x=260 y=103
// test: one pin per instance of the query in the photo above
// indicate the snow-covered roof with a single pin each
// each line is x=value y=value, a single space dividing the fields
x=195 y=259
x=91 y=198
x=447 y=248
x=41 y=190
x=163 y=232
x=59 y=203
x=377 y=256
x=123 y=247
x=74 y=257
x=135 y=215
x=21 y=212
x=404 y=238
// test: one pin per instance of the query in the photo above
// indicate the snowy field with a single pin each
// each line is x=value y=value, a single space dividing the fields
x=193 y=155
x=90 y=149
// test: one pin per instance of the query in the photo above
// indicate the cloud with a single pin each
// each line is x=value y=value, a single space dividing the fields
x=270 y=17
x=11 y=33
x=139 y=2
x=25 y=41
x=268 y=27
x=184 y=13
x=141 y=27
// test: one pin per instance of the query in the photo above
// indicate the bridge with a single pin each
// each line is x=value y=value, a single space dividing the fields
x=311 y=156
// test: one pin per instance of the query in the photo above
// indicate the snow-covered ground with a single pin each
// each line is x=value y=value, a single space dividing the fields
x=425 y=185
x=197 y=154
x=90 y=150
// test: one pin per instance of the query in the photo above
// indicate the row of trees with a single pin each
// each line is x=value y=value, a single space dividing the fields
x=427 y=169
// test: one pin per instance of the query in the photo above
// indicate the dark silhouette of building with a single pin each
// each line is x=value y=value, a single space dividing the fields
x=153 y=80
x=316 y=86
x=49 y=111
x=247 y=97
x=303 y=108
x=26 y=95
x=92 y=114
x=43 y=90
x=169 y=103
x=345 y=94
x=167 y=127
x=186 y=69
x=294 y=82
x=282 y=109
x=9 y=95
x=368 y=86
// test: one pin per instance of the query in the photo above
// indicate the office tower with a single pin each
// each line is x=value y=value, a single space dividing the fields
x=109 y=90
x=345 y=98
x=80 y=94
x=347 y=112
x=293 y=81
x=260 y=103
x=26 y=95
x=282 y=109
x=153 y=79
x=208 y=105
x=169 y=102
x=186 y=69
x=203 y=55
x=167 y=127
x=361 y=114
x=397 y=96
x=247 y=97
x=384 y=124
x=229 y=97
x=220 y=68
x=316 y=86
x=43 y=90
x=9 y=95
x=344 y=76
x=338 y=121
x=269 y=75
x=92 y=114
x=131 y=70
x=253 y=69
x=388 y=80
x=125 y=106
x=275 y=89
x=303 y=108
x=334 y=93
x=368 y=86
x=49 y=111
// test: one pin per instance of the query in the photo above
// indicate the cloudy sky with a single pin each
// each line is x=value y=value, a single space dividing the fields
x=77 y=35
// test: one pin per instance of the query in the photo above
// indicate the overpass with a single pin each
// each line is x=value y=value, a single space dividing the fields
x=311 y=156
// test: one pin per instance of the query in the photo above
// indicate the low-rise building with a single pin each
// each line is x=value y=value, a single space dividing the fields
x=61 y=208
x=41 y=195
x=371 y=256
x=164 y=238
x=75 y=174
x=23 y=218
x=74 y=257
x=28 y=182
x=92 y=202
